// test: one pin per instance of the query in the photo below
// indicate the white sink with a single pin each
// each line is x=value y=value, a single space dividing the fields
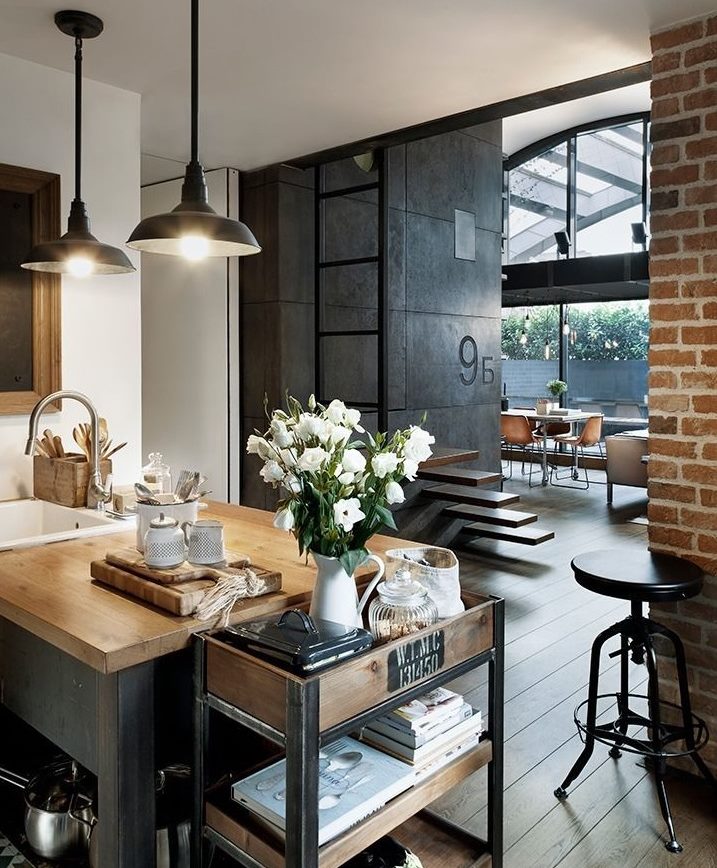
x=32 y=522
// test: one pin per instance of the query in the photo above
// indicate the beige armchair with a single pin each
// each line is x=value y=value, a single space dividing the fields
x=624 y=460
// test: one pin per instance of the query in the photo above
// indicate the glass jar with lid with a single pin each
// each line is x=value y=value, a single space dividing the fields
x=403 y=606
x=157 y=475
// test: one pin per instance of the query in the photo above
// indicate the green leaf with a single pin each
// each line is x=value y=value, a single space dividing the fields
x=386 y=516
x=352 y=559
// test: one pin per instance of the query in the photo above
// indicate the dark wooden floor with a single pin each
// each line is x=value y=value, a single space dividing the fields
x=611 y=817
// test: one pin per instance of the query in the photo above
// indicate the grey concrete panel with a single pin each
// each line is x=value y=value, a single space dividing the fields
x=345 y=173
x=397 y=177
x=436 y=280
x=350 y=229
x=488 y=257
x=397 y=259
x=434 y=365
x=491 y=132
x=350 y=286
x=295 y=365
x=472 y=427
x=397 y=359
x=343 y=318
x=454 y=171
x=349 y=366
x=296 y=243
x=255 y=344
x=253 y=213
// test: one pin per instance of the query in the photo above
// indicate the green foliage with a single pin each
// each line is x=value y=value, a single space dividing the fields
x=615 y=330
x=556 y=387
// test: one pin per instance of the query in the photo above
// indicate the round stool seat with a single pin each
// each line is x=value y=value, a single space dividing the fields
x=637 y=575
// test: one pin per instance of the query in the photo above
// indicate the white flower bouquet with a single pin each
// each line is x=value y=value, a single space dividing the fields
x=338 y=488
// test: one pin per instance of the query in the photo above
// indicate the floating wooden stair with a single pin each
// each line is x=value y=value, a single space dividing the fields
x=464 y=495
x=460 y=476
x=502 y=517
x=529 y=536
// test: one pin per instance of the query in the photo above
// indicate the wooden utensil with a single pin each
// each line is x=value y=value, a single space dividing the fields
x=114 y=449
x=59 y=448
x=48 y=443
x=79 y=438
x=40 y=448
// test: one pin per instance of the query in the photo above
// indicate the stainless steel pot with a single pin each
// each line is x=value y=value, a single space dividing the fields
x=173 y=836
x=56 y=808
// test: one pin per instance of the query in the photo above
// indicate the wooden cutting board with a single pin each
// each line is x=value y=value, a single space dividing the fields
x=179 y=599
x=133 y=561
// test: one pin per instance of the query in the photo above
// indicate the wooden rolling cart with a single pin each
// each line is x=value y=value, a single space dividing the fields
x=301 y=714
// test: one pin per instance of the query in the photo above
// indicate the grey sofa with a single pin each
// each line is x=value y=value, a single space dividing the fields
x=624 y=460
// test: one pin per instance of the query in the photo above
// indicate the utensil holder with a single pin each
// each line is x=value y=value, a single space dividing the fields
x=64 y=480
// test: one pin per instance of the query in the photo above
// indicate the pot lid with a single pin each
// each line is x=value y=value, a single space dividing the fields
x=402 y=590
x=54 y=787
x=164 y=521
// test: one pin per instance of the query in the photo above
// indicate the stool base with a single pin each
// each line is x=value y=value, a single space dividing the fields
x=659 y=745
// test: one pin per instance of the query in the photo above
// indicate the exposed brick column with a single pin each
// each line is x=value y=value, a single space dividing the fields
x=683 y=339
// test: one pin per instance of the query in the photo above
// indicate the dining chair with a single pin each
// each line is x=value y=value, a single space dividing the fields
x=589 y=436
x=515 y=431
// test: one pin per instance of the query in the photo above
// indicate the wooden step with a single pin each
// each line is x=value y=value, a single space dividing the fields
x=465 y=494
x=502 y=517
x=460 y=476
x=528 y=536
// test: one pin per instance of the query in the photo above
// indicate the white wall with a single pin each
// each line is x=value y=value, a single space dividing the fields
x=101 y=341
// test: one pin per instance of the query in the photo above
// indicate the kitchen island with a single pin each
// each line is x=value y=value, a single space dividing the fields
x=82 y=664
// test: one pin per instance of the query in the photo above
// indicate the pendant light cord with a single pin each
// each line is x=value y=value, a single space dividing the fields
x=78 y=117
x=195 y=80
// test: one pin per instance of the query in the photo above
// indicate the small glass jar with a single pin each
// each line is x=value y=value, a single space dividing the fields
x=402 y=607
x=157 y=475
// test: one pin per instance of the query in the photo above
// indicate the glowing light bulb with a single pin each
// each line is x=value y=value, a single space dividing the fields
x=566 y=328
x=194 y=247
x=523 y=338
x=80 y=266
x=547 y=349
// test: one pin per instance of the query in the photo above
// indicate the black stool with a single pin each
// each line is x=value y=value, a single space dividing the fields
x=641 y=577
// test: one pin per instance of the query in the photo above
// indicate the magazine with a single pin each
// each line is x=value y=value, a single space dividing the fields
x=355 y=780
x=418 y=737
x=435 y=747
x=427 y=709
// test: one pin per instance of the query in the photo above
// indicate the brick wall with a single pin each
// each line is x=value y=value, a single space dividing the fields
x=683 y=338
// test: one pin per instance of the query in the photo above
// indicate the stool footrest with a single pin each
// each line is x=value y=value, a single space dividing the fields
x=612 y=733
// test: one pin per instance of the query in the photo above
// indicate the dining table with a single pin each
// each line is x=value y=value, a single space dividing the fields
x=546 y=418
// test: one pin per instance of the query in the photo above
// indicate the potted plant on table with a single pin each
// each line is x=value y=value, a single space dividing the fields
x=337 y=490
x=556 y=389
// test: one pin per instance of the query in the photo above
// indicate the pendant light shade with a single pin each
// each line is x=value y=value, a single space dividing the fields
x=193 y=229
x=78 y=252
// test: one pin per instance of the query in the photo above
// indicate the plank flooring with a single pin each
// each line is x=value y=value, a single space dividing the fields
x=611 y=816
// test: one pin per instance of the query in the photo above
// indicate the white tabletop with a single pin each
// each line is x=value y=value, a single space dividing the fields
x=550 y=417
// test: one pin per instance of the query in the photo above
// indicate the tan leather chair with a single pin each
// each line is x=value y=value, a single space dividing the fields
x=589 y=436
x=624 y=460
x=515 y=431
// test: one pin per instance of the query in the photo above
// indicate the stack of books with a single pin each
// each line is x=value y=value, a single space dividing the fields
x=427 y=732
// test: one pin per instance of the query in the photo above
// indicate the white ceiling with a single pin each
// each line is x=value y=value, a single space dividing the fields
x=282 y=78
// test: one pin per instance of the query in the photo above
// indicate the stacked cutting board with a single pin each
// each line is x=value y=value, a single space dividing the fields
x=180 y=590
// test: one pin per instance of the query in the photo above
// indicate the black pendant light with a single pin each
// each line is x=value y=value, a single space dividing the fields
x=78 y=252
x=194 y=229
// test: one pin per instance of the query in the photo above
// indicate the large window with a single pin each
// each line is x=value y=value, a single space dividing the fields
x=590 y=183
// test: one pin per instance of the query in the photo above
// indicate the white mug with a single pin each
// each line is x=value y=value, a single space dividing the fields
x=205 y=541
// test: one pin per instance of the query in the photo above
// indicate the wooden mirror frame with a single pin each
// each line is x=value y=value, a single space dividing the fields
x=44 y=190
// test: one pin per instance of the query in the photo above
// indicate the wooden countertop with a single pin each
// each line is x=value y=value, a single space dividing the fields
x=48 y=591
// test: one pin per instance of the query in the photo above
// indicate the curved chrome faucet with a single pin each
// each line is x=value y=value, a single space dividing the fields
x=97 y=493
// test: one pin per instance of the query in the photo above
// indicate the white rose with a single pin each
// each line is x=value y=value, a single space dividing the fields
x=291 y=483
x=340 y=435
x=272 y=471
x=288 y=458
x=311 y=403
x=312 y=459
x=346 y=478
x=256 y=445
x=347 y=513
x=352 y=419
x=280 y=433
x=394 y=493
x=284 y=519
x=354 y=461
x=309 y=426
x=336 y=411
x=326 y=431
x=384 y=463
x=410 y=468
x=418 y=445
